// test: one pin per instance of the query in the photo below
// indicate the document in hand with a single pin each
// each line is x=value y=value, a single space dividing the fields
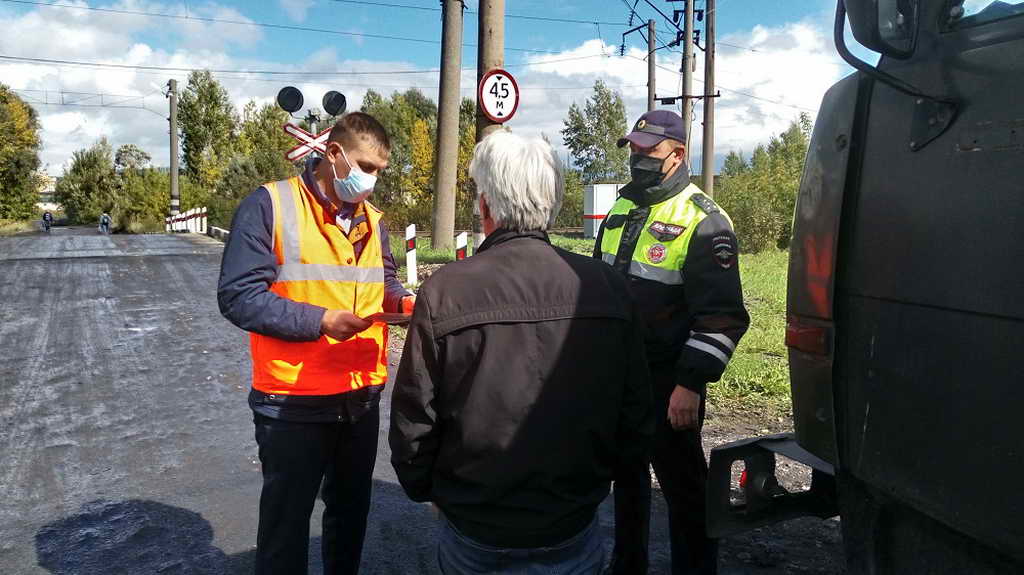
x=390 y=318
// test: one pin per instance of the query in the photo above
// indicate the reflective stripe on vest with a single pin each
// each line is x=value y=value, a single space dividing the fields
x=656 y=259
x=317 y=265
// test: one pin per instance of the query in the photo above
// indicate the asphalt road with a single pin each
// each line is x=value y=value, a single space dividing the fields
x=126 y=445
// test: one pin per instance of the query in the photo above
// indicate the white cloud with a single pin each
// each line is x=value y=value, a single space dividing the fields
x=786 y=72
x=296 y=9
x=794 y=64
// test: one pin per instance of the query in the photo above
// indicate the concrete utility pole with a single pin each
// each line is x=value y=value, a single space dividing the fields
x=687 y=70
x=708 y=154
x=490 y=55
x=446 y=166
x=651 y=68
x=172 y=93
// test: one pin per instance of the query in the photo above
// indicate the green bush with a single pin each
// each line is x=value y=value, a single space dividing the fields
x=760 y=195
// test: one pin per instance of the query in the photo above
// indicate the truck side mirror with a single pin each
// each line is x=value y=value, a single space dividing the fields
x=888 y=27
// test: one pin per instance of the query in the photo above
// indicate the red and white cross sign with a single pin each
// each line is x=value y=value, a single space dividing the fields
x=309 y=142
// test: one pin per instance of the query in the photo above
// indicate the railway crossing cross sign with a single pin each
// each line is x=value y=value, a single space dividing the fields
x=498 y=95
x=307 y=142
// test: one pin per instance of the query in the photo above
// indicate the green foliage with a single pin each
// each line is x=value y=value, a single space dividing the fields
x=209 y=125
x=262 y=138
x=758 y=374
x=19 y=156
x=591 y=134
x=130 y=157
x=760 y=195
x=405 y=190
x=143 y=199
x=90 y=186
x=574 y=243
x=399 y=114
x=240 y=178
x=571 y=214
x=465 y=190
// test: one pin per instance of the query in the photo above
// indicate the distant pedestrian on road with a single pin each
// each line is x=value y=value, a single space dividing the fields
x=47 y=221
x=523 y=389
x=105 y=223
x=677 y=249
x=307 y=260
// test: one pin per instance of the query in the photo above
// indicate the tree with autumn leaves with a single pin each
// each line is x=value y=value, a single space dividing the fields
x=19 y=157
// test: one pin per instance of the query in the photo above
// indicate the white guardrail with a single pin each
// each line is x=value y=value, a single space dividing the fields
x=193 y=221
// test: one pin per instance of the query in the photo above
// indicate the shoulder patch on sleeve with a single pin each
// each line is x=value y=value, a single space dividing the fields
x=706 y=204
x=723 y=249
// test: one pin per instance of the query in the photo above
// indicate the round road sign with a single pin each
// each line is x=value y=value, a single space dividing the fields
x=498 y=95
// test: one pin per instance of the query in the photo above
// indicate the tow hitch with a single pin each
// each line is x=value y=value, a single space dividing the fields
x=764 y=501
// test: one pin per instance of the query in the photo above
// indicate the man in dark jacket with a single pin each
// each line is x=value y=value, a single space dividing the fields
x=523 y=389
x=679 y=253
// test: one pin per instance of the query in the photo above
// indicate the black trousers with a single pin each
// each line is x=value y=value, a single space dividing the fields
x=682 y=472
x=296 y=458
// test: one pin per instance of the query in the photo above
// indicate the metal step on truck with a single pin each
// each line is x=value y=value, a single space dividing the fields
x=906 y=301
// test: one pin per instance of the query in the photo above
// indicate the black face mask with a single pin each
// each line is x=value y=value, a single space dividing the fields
x=645 y=171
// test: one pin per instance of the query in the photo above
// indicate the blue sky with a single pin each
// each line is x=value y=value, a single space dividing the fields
x=788 y=64
x=733 y=16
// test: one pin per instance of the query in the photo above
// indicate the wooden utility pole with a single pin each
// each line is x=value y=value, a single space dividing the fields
x=708 y=154
x=490 y=55
x=446 y=166
x=651 y=68
x=172 y=94
x=687 y=70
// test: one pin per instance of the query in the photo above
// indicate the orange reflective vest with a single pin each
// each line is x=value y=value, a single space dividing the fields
x=317 y=265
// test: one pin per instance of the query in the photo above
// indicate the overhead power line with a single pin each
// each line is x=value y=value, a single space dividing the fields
x=81 y=98
x=294 y=73
x=210 y=20
x=512 y=16
x=737 y=92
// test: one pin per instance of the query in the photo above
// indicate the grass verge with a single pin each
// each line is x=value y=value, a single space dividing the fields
x=12 y=227
x=758 y=375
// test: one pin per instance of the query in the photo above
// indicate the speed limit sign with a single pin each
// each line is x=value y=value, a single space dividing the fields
x=498 y=95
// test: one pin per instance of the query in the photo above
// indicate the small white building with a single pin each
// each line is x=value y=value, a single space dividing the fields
x=597 y=202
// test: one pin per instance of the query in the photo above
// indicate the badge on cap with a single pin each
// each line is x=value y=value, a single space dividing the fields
x=641 y=125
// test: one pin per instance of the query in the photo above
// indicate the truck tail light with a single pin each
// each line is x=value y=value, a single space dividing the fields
x=807 y=337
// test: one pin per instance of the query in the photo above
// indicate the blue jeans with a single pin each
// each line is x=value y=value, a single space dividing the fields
x=460 y=555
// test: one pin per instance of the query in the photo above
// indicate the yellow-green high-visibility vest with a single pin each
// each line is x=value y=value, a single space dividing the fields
x=661 y=248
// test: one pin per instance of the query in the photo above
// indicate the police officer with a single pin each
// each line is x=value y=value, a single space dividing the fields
x=678 y=249
x=307 y=261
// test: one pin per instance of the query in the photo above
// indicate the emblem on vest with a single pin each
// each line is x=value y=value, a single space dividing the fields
x=665 y=232
x=656 y=253
x=724 y=251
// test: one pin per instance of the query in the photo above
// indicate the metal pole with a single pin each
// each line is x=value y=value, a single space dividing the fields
x=446 y=167
x=172 y=93
x=708 y=154
x=490 y=55
x=687 y=69
x=651 y=69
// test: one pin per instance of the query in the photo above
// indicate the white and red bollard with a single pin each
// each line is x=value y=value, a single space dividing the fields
x=461 y=243
x=410 y=255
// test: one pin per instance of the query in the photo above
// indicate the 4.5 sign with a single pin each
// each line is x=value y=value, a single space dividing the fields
x=498 y=95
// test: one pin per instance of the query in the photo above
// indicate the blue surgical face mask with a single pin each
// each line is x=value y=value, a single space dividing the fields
x=356 y=187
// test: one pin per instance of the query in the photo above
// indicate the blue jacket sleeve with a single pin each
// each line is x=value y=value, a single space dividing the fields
x=393 y=289
x=247 y=270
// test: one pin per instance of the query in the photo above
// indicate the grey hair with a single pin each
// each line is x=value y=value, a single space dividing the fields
x=521 y=180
